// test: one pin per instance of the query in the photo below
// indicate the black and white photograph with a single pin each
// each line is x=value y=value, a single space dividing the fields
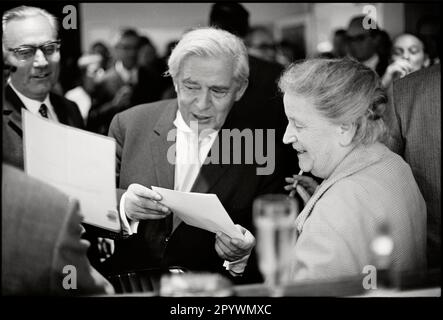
x=251 y=152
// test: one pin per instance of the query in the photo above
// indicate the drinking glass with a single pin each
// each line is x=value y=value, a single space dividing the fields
x=274 y=219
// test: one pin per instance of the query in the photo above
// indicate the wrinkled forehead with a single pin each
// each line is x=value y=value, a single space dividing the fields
x=292 y=101
x=202 y=60
x=208 y=72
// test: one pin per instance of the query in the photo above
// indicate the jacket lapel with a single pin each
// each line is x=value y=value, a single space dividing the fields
x=13 y=110
x=211 y=173
x=15 y=114
x=161 y=147
x=59 y=109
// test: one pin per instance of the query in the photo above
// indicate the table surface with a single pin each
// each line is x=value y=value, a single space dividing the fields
x=378 y=293
x=406 y=284
x=402 y=285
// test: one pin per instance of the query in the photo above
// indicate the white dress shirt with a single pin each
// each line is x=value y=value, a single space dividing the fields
x=82 y=99
x=187 y=166
x=34 y=105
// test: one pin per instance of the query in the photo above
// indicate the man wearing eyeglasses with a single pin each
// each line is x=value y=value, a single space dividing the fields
x=31 y=48
x=31 y=58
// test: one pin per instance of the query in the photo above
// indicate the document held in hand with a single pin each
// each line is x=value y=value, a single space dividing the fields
x=201 y=210
x=79 y=163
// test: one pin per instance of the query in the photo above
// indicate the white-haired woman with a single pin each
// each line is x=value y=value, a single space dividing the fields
x=334 y=108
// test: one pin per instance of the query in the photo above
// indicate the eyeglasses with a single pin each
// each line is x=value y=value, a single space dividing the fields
x=26 y=52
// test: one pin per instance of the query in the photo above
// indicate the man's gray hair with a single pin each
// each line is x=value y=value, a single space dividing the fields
x=211 y=42
x=343 y=91
x=23 y=12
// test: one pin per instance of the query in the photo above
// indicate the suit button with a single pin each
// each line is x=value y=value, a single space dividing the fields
x=167 y=239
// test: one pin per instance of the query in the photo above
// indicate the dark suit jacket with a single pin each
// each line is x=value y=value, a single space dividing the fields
x=381 y=66
x=414 y=118
x=262 y=107
x=66 y=111
x=40 y=236
x=142 y=147
x=148 y=88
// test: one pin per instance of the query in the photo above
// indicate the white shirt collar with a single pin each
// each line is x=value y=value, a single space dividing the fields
x=34 y=105
x=182 y=126
x=180 y=123
x=191 y=153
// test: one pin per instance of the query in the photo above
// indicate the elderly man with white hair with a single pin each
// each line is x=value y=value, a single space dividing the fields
x=209 y=68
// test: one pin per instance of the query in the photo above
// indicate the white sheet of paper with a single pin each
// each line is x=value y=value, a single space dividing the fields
x=201 y=210
x=79 y=163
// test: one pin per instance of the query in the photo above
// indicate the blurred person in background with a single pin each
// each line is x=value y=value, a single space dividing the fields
x=408 y=55
x=149 y=59
x=337 y=128
x=123 y=85
x=169 y=91
x=261 y=107
x=339 y=44
x=90 y=73
x=429 y=30
x=102 y=50
x=285 y=53
x=260 y=43
x=362 y=45
x=169 y=47
x=384 y=44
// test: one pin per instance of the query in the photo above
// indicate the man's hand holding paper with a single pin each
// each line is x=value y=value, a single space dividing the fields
x=142 y=203
x=201 y=210
x=232 y=249
x=233 y=243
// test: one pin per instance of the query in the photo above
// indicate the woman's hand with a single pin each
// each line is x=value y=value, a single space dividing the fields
x=304 y=185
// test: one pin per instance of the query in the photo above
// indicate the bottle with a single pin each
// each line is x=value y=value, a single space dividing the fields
x=382 y=248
